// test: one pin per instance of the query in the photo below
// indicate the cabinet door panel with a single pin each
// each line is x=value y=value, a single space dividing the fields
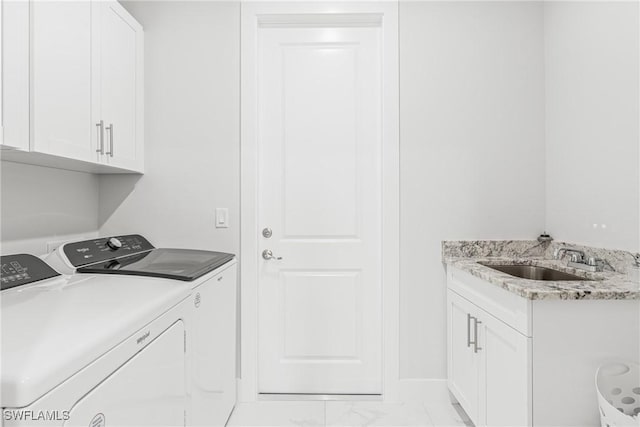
x=15 y=74
x=505 y=374
x=119 y=80
x=61 y=82
x=213 y=348
x=462 y=361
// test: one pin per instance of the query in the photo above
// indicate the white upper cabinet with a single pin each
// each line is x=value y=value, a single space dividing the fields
x=73 y=85
x=118 y=67
x=15 y=74
x=61 y=78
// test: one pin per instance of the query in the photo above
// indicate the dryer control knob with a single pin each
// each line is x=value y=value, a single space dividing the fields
x=114 y=243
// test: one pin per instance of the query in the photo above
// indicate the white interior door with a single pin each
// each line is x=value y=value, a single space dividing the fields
x=320 y=193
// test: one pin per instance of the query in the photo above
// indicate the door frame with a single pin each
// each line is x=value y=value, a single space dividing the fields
x=300 y=14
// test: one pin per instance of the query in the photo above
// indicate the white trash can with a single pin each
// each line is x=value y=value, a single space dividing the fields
x=618 y=387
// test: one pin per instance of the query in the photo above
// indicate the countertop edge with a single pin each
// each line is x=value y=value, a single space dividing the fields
x=606 y=286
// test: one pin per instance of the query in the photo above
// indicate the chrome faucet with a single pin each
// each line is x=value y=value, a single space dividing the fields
x=579 y=260
x=576 y=255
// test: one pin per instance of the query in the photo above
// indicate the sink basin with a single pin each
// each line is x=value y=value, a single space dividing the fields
x=533 y=272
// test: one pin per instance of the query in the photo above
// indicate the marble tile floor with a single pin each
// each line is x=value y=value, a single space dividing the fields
x=347 y=414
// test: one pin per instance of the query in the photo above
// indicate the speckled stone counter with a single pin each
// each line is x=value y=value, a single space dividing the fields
x=466 y=256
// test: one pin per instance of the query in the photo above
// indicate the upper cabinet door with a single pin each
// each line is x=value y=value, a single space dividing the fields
x=61 y=78
x=15 y=74
x=120 y=58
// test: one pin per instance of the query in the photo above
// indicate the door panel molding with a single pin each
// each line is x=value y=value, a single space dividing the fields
x=314 y=20
x=313 y=15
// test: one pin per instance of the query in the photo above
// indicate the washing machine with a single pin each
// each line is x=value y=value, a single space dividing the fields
x=210 y=280
x=88 y=350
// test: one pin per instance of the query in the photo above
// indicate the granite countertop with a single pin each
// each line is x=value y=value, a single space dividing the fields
x=596 y=286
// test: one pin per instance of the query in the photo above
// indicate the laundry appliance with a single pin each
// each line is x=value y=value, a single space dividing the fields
x=85 y=350
x=210 y=280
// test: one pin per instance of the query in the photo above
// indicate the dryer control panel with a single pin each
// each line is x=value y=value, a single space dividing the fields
x=22 y=269
x=104 y=249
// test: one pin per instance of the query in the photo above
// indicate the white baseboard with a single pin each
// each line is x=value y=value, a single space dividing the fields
x=424 y=390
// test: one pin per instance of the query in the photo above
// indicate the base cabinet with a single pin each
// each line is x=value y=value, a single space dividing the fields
x=518 y=362
x=489 y=366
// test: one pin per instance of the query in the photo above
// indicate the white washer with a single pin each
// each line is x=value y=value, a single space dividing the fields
x=209 y=278
x=90 y=351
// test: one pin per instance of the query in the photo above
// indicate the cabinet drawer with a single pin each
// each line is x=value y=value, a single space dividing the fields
x=510 y=308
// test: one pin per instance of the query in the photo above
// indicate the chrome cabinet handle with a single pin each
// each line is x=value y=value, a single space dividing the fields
x=268 y=255
x=110 y=130
x=476 y=322
x=473 y=343
x=100 y=129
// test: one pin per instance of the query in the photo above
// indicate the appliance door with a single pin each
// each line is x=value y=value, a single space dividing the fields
x=212 y=348
x=148 y=390
x=179 y=264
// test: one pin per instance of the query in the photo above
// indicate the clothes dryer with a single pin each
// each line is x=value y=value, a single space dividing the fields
x=87 y=350
x=209 y=278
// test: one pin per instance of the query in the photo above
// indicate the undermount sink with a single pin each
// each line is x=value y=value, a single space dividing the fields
x=533 y=272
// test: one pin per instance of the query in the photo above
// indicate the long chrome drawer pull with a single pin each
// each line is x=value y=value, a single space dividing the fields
x=476 y=322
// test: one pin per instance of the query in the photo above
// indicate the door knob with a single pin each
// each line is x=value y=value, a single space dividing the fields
x=268 y=255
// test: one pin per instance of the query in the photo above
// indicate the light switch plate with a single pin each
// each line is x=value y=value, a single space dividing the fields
x=222 y=218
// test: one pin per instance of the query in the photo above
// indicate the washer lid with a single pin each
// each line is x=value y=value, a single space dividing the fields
x=54 y=328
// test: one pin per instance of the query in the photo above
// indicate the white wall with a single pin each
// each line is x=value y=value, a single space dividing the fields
x=592 y=115
x=466 y=133
x=472 y=141
x=40 y=205
x=472 y=148
x=192 y=96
